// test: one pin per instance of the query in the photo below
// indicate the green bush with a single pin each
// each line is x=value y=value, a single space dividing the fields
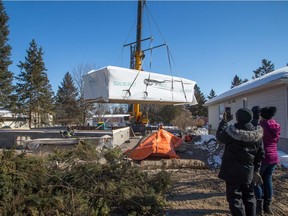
x=74 y=182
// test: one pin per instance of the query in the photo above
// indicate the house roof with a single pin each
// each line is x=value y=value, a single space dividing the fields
x=264 y=80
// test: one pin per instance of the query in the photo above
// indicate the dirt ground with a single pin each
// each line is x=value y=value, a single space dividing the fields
x=200 y=192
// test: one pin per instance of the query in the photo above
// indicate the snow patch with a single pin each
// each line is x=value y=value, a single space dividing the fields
x=283 y=159
x=215 y=151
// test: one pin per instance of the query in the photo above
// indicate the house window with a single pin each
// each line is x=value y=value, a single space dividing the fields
x=244 y=103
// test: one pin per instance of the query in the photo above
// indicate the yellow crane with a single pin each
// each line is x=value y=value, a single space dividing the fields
x=138 y=116
x=139 y=119
x=94 y=81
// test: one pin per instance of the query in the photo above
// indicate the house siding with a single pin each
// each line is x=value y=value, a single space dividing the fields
x=273 y=97
x=269 y=90
x=213 y=116
x=214 y=113
x=276 y=96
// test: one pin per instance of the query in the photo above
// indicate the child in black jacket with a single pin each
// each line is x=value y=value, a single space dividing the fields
x=241 y=161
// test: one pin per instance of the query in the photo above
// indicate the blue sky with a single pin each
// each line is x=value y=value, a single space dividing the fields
x=210 y=41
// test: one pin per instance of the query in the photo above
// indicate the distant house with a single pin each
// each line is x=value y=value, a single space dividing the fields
x=9 y=120
x=12 y=120
x=268 y=90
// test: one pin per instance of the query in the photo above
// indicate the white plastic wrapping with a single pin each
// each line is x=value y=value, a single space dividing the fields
x=121 y=85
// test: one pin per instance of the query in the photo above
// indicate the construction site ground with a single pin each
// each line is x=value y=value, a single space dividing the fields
x=201 y=192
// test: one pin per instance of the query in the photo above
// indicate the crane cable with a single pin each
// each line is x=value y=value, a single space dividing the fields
x=169 y=61
x=122 y=50
x=150 y=63
x=145 y=93
x=168 y=53
x=182 y=84
x=128 y=90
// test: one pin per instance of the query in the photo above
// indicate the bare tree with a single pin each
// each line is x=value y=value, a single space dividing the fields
x=183 y=120
x=119 y=109
x=154 y=111
x=100 y=109
x=86 y=108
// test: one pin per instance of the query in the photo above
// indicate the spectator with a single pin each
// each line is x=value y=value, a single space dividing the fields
x=271 y=135
x=241 y=161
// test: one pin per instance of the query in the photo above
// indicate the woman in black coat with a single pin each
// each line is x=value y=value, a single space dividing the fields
x=241 y=161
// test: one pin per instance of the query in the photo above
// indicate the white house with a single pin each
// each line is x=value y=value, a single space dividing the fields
x=12 y=120
x=268 y=90
x=8 y=120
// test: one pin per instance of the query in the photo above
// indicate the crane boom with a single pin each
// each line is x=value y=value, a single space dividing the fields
x=139 y=55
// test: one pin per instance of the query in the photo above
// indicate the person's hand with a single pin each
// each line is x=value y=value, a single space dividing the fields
x=257 y=179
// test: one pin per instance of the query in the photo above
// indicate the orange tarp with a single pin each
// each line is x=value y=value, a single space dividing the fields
x=160 y=143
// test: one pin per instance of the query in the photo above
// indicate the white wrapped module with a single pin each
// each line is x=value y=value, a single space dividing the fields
x=121 y=85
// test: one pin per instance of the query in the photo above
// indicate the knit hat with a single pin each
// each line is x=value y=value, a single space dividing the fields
x=244 y=115
x=268 y=112
x=256 y=110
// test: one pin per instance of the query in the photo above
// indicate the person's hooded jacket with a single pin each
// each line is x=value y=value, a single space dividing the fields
x=243 y=149
x=271 y=130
